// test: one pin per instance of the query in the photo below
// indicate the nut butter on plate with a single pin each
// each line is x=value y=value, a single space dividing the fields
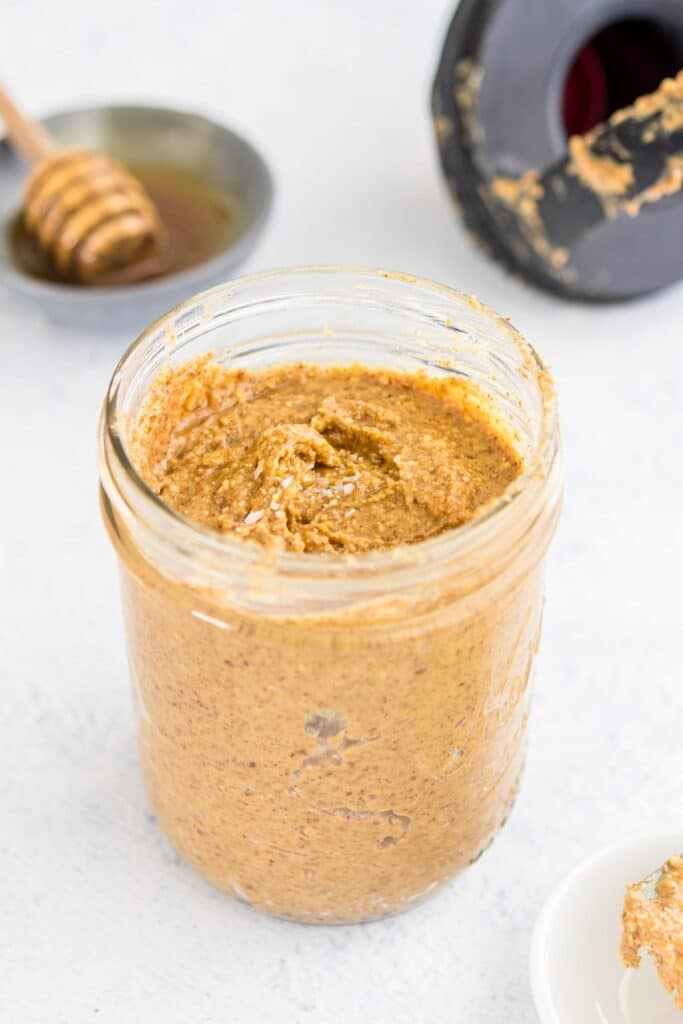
x=331 y=492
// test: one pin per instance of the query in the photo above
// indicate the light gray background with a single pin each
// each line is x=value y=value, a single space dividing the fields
x=99 y=921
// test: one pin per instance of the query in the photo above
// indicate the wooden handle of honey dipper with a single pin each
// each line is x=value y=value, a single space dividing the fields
x=28 y=137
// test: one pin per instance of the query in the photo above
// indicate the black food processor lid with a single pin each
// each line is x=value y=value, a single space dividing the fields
x=560 y=131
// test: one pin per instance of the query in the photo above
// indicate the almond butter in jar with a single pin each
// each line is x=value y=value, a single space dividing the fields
x=329 y=735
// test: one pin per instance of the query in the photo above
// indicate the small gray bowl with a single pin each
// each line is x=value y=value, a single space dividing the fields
x=139 y=135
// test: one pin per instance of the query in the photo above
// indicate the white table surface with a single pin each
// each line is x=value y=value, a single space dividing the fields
x=99 y=919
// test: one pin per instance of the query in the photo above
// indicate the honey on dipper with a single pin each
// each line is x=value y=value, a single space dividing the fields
x=87 y=219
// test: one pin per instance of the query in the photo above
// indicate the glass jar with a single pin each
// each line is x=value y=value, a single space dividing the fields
x=329 y=738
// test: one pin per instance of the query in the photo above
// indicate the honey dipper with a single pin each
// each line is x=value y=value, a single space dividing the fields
x=85 y=210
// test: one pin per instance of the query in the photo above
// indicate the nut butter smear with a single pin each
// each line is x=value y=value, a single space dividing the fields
x=329 y=762
x=320 y=460
x=652 y=921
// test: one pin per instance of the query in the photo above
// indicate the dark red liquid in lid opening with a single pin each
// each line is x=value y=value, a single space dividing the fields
x=623 y=61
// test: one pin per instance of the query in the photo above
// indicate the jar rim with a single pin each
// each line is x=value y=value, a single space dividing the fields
x=406 y=564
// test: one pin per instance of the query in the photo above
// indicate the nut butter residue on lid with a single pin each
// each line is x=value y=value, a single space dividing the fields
x=311 y=459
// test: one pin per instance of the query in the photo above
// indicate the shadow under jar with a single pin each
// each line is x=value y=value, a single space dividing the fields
x=329 y=738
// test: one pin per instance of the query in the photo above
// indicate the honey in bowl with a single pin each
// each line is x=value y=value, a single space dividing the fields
x=199 y=222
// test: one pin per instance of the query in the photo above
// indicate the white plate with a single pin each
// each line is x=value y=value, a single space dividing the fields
x=576 y=974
